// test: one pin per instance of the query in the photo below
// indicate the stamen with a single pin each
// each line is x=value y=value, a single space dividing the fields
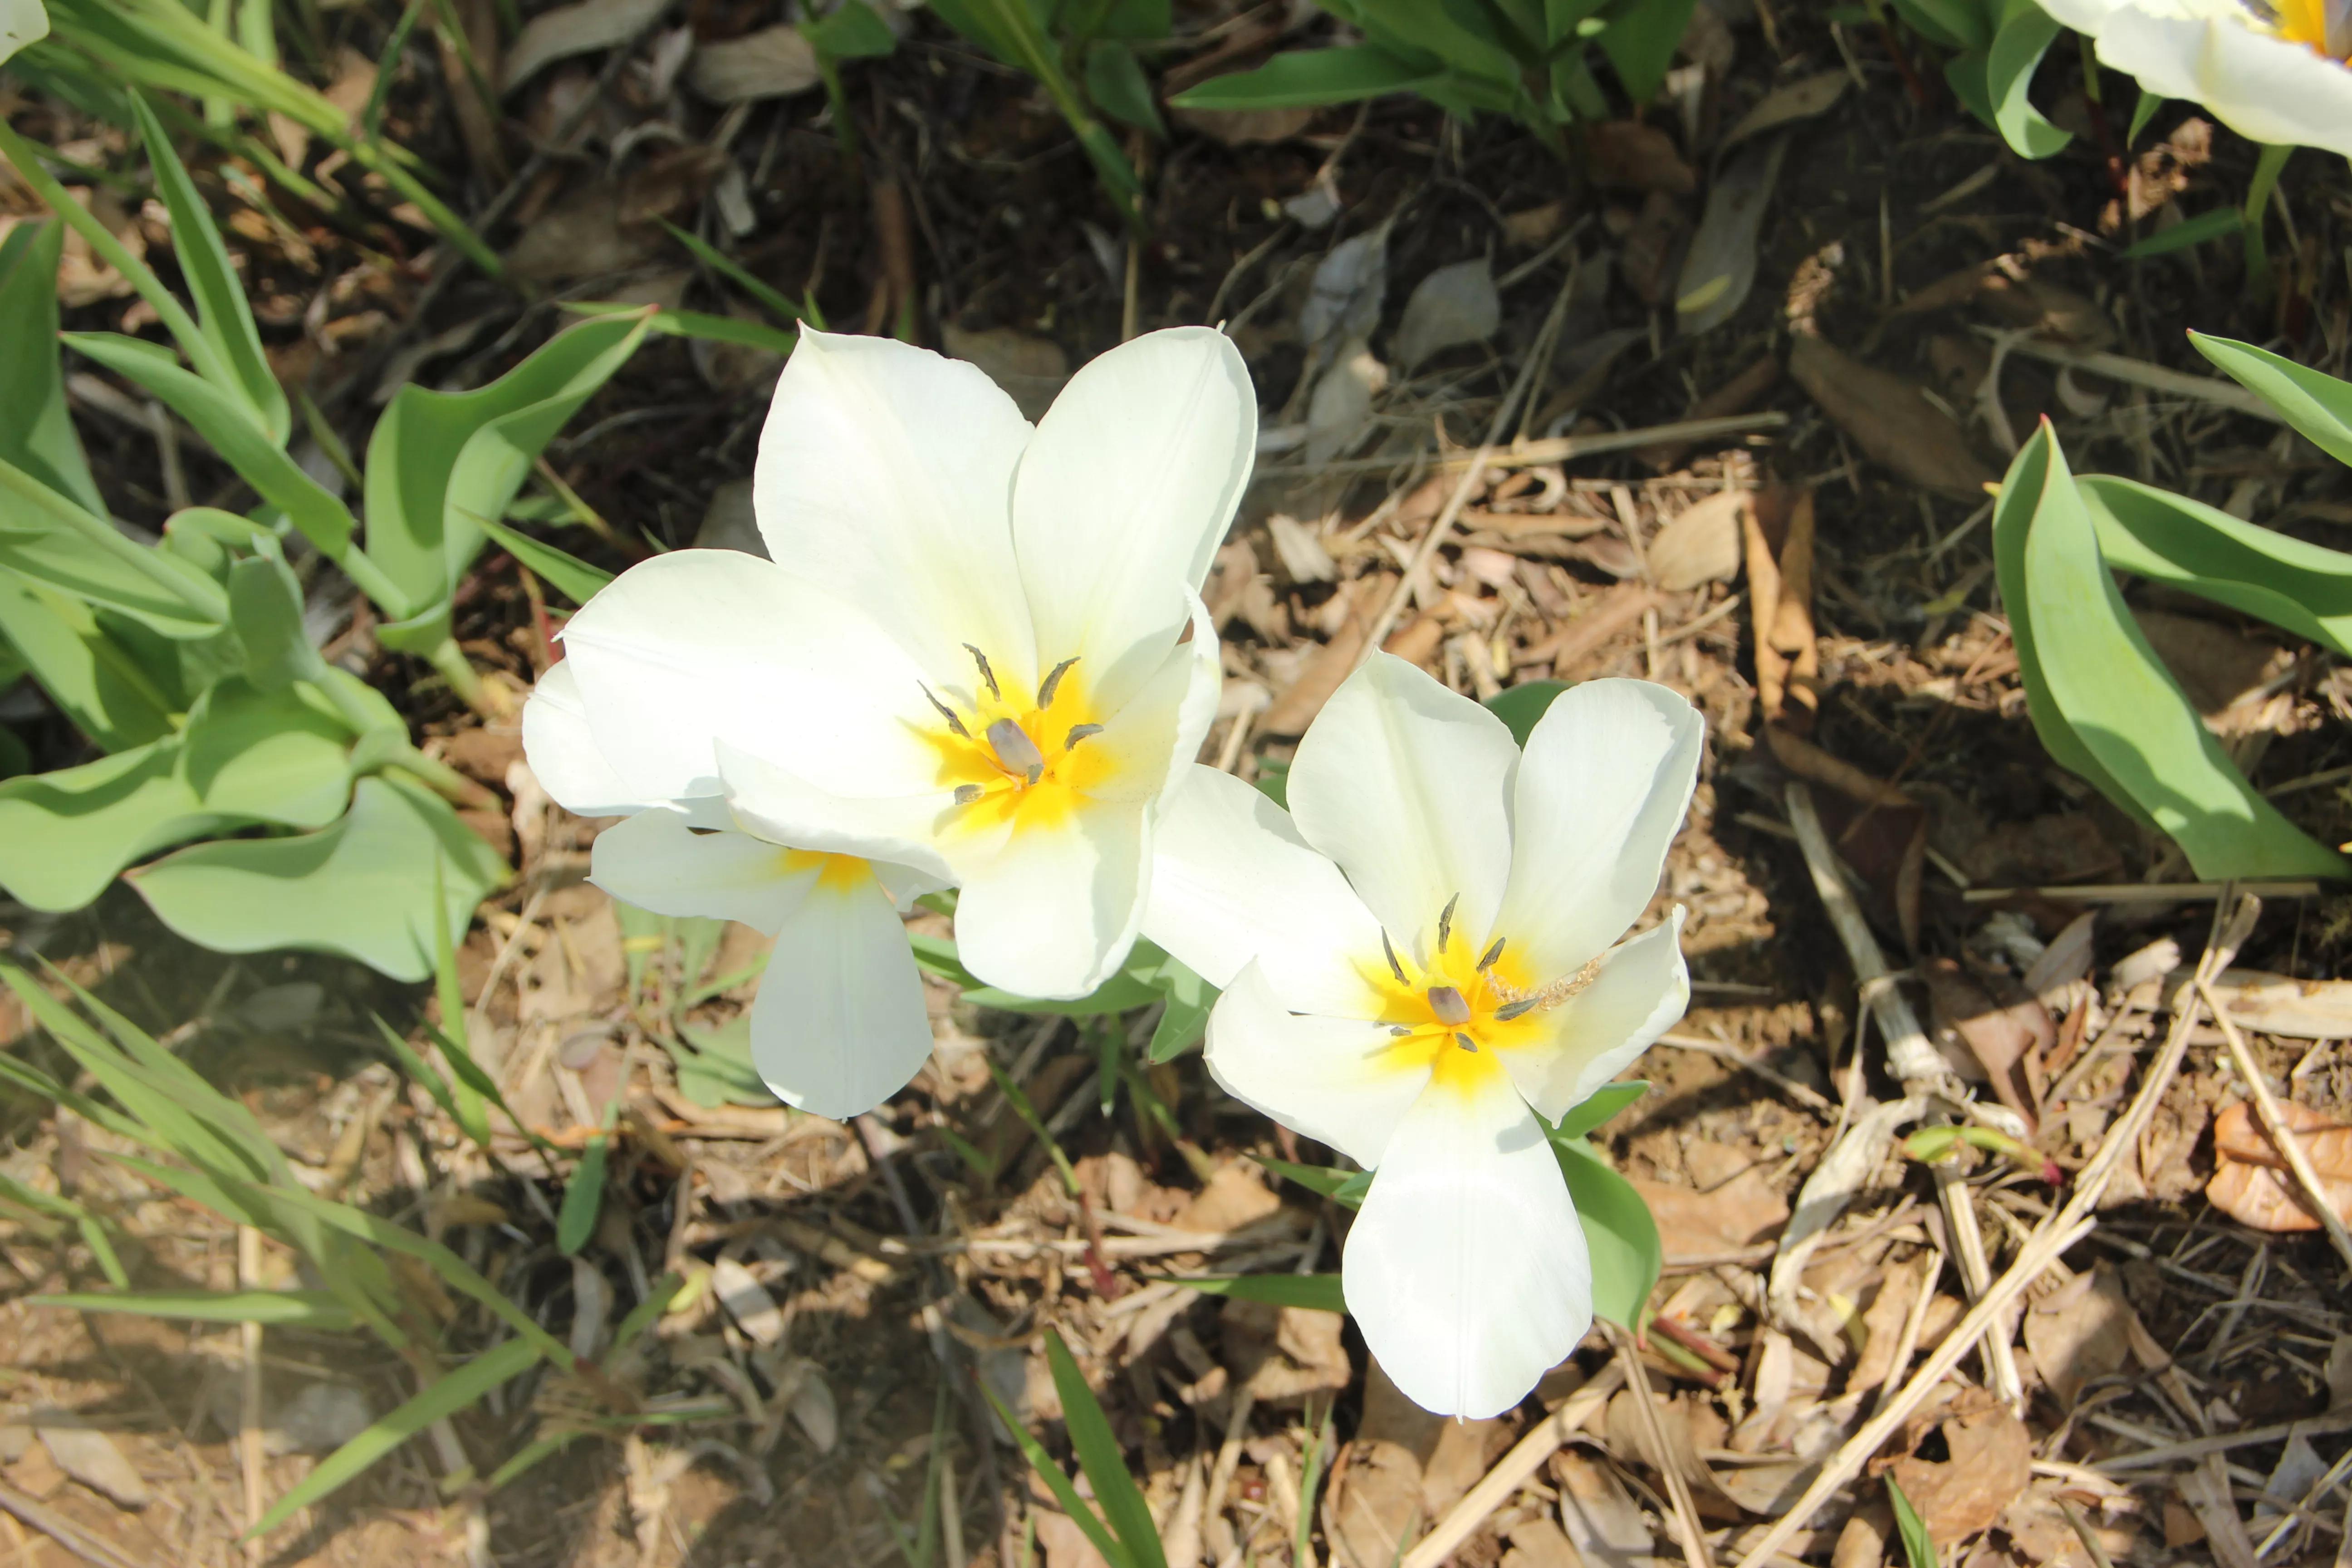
x=946 y=712
x=1449 y=1004
x=1015 y=751
x=1394 y=967
x=1080 y=732
x=1464 y=1042
x=1493 y=954
x=1517 y=1009
x=966 y=793
x=1445 y=921
x=986 y=674
x=1399 y=1029
x=1052 y=682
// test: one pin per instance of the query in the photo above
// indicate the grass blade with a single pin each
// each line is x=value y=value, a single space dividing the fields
x=1319 y=1292
x=1124 y=1510
x=1089 y=1523
x=584 y=1198
x=274 y=1309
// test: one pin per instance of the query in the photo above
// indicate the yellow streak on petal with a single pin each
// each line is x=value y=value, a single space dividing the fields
x=834 y=873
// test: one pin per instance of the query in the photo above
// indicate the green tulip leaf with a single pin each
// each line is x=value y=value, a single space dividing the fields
x=1309 y=78
x=2008 y=66
x=1619 y=1233
x=37 y=432
x=265 y=609
x=1519 y=706
x=2303 y=588
x=1599 y=1107
x=1317 y=1293
x=95 y=677
x=1641 y=44
x=2318 y=405
x=48 y=538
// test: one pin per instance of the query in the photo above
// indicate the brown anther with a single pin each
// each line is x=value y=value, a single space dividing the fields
x=1445 y=921
x=1015 y=751
x=1052 y=682
x=1399 y=1029
x=986 y=674
x=946 y=712
x=1466 y=1042
x=1518 y=1009
x=1449 y=1006
x=966 y=793
x=1080 y=732
x=1493 y=954
x=1394 y=967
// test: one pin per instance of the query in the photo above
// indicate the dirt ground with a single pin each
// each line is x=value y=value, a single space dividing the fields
x=2178 y=1388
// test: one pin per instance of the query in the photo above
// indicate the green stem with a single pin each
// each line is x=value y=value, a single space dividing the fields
x=463 y=677
x=440 y=778
x=2261 y=281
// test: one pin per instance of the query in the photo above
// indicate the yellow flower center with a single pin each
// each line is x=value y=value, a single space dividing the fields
x=1014 y=761
x=1472 y=1002
x=834 y=873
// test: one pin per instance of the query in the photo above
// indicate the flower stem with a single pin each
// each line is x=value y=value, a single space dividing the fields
x=465 y=680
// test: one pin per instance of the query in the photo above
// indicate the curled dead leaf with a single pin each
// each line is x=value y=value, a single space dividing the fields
x=2252 y=1183
x=1889 y=418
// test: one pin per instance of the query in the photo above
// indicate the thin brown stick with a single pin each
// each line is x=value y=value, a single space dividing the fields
x=2266 y=1106
x=1724 y=1052
x=1527 y=1457
x=1560 y=449
x=82 y=1542
x=1688 y=1530
x=2062 y=1230
x=249 y=1443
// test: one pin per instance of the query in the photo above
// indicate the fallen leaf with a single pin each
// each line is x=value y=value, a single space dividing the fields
x=1234 y=1196
x=1342 y=407
x=1779 y=530
x=1719 y=270
x=1534 y=226
x=1375 y=1506
x=1889 y=418
x=2216 y=664
x=1990 y=1462
x=2251 y=1181
x=1801 y=100
x=1453 y=306
x=1651 y=244
x=2008 y=1037
x=1599 y=1515
x=569 y=31
x=1702 y=543
x=2080 y=1333
x=1539 y=1543
x=90 y=1457
x=2206 y=1490
x=1344 y=300
x=774 y=62
x=1632 y=155
x=1300 y=550
x=1693 y=1224
x=1064 y=1544
x=747 y=1300
x=2277 y=1004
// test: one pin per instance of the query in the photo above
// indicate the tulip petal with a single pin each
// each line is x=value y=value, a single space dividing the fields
x=1331 y=1079
x=2264 y=87
x=1640 y=990
x=1050 y=909
x=1601 y=793
x=562 y=755
x=778 y=805
x=1407 y=785
x=703 y=647
x=1232 y=881
x=839 y=1024
x=2083 y=16
x=1468 y=1268
x=1125 y=494
x=1157 y=731
x=656 y=861
x=886 y=475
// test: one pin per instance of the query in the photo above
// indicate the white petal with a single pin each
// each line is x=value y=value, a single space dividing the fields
x=562 y=755
x=885 y=474
x=1232 y=881
x=1051 y=910
x=1125 y=494
x=839 y=1025
x=22 y=22
x=703 y=647
x=1157 y=732
x=1643 y=987
x=2083 y=16
x=657 y=862
x=1407 y=785
x=1330 y=1079
x=1468 y=1268
x=778 y=805
x=1601 y=793
x=2263 y=88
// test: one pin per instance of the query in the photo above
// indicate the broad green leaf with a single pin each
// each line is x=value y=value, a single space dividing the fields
x=48 y=538
x=1309 y=78
x=64 y=835
x=1918 y=1541
x=281 y=756
x=1186 y=1016
x=275 y=1309
x=1619 y=1233
x=2202 y=549
x=1520 y=706
x=440 y=459
x=1641 y=44
x=1101 y=1460
x=583 y=1198
x=447 y=1395
x=2318 y=405
x=1457 y=32
x=1967 y=76
x=851 y=31
x=1346 y=1188
x=37 y=432
x=1122 y=993
x=1116 y=82
x=222 y=314
x=91 y=674
x=2102 y=702
x=227 y=426
x=2205 y=226
x=567 y=575
x=1318 y=1291
x=1947 y=24
x=2009 y=64
x=2142 y=112
x=717 y=1070
x=15 y=757
x=1136 y=20
x=362 y=888
x=1599 y=1107
x=265 y=604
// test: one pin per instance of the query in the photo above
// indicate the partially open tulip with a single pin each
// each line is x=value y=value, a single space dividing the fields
x=978 y=649
x=1420 y=958
x=2272 y=71
x=839 y=1024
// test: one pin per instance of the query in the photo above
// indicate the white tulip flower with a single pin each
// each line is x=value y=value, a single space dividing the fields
x=2272 y=71
x=839 y=1024
x=969 y=654
x=1418 y=963
x=22 y=22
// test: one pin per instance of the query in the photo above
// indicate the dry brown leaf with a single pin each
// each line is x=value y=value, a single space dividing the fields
x=1800 y=100
x=568 y=30
x=1889 y=418
x=1064 y=1544
x=1235 y=1196
x=90 y=1457
x=1779 y=527
x=1631 y=155
x=2250 y=1181
x=774 y=62
x=1692 y=1223
x=2216 y=664
x=1651 y=245
x=2206 y=1489
x=1989 y=1463
x=2079 y=1332
x=2007 y=1037
x=1540 y=1544
x=2278 y=1003
x=1702 y=543
x=1245 y=126
x=1599 y=1515
x=1375 y=1509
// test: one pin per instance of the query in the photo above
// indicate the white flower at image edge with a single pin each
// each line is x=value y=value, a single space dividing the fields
x=968 y=653
x=839 y=1024
x=1417 y=961
x=22 y=22
x=2272 y=71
